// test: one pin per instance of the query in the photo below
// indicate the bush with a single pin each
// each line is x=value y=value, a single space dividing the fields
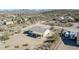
x=16 y=46
x=49 y=41
x=55 y=37
x=25 y=45
x=69 y=24
x=4 y=37
x=7 y=46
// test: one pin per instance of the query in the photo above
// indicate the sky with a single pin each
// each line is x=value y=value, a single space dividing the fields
x=39 y=4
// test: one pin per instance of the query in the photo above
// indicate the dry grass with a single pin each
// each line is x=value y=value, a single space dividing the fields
x=17 y=46
x=7 y=46
x=25 y=45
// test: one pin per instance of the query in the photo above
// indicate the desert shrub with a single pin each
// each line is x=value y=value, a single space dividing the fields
x=16 y=46
x=25 y=45
x=55 y=37
x=4 y=37
x=49 y=41
x=68 y=24
x=7 y=46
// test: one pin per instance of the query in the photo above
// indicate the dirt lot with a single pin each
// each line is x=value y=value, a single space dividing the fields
x=19 y=40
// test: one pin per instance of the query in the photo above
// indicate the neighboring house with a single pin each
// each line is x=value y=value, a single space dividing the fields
x=9 y=22
x=69 y=18
x=61 y=18
x=38 y=31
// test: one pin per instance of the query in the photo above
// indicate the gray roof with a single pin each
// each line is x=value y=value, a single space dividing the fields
x=38 y=29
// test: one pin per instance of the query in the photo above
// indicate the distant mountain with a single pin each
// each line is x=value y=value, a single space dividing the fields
x=61 y=11
x=23 y=10
x=49 y=12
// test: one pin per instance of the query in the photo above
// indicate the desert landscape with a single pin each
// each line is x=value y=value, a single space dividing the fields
x=41 y=29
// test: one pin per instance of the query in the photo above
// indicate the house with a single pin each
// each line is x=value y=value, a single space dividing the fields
x=69 y=18
x=61 y=18
x=38 y=31
x=9 y=22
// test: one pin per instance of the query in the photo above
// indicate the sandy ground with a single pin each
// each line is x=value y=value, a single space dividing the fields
x=20 y=39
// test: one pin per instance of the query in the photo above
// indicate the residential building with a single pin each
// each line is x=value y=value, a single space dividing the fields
x=9 y=22
x=38 y=31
